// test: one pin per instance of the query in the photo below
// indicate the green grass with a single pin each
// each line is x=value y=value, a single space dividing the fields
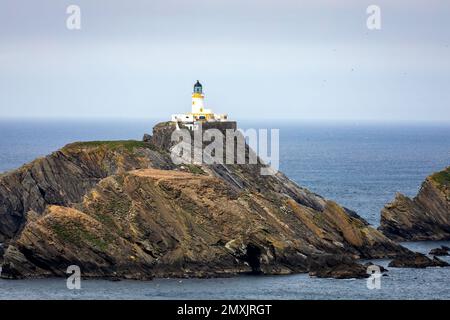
x=76 y=234
x=165 y=124
x=442 y=177
x=195 y=169
x=105 y=219
x=318 y=217
x=118 y=206
x=112 y=145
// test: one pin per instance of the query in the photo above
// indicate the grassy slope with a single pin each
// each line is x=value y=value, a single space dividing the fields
x=442 y=178
x=112 y=145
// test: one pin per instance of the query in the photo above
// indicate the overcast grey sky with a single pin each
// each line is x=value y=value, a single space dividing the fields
x=262 y=58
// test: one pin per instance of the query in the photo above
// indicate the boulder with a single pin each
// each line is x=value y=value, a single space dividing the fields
x=147 y=137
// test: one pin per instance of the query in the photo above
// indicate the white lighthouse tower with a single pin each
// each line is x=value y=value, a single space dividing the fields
x=198 y=104
x=198 y=111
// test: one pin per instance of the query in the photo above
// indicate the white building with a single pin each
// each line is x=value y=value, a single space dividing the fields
x=198 y=112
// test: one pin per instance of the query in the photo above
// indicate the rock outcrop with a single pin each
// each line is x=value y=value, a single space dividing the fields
x=442 y=251
x=426 y=217
x=417 y=260
x=336 y=266
x=64 y=177
x=124 y=210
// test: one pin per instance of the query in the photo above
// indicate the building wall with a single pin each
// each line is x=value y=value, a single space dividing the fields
x=198 y=104
x=182 y=117
x=221 y=125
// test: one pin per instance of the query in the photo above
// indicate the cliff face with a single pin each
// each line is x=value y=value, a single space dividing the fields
x=123 y=209
x=426 y=217
x=65 y=176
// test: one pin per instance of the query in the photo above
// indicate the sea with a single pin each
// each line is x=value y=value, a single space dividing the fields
x=359 y=164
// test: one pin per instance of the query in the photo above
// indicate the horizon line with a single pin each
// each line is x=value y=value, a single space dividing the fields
x=244 y=118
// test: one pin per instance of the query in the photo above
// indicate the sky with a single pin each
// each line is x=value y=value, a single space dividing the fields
x=264 y=59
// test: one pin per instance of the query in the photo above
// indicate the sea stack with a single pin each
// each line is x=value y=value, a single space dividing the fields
x=425 y=217
x=124 y=209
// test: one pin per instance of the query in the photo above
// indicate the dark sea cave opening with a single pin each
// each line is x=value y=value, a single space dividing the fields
x=253 y=258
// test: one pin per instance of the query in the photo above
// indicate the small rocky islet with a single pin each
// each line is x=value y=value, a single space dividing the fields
x=425 y=217
x=123 y=209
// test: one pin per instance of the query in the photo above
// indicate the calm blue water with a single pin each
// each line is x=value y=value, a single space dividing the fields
x=359 y=165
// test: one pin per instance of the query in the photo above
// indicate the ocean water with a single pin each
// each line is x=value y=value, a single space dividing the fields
x=430 y=283
x=359 y=165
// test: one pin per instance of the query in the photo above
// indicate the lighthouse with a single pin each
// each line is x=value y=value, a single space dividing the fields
x=198 y=111
x=198 y=105
x=198 y=98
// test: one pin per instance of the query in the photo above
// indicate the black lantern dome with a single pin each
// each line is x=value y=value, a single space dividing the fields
x=198 y=87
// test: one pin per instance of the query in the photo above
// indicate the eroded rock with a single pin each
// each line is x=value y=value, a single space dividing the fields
x=442 y=251
x=124 y=210
x=426 y=217
x=416 y=260
x=336 y=266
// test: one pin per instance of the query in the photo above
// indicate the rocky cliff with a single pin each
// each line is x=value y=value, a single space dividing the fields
x=426 y=217
x=64 y=177
x=123 y=209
